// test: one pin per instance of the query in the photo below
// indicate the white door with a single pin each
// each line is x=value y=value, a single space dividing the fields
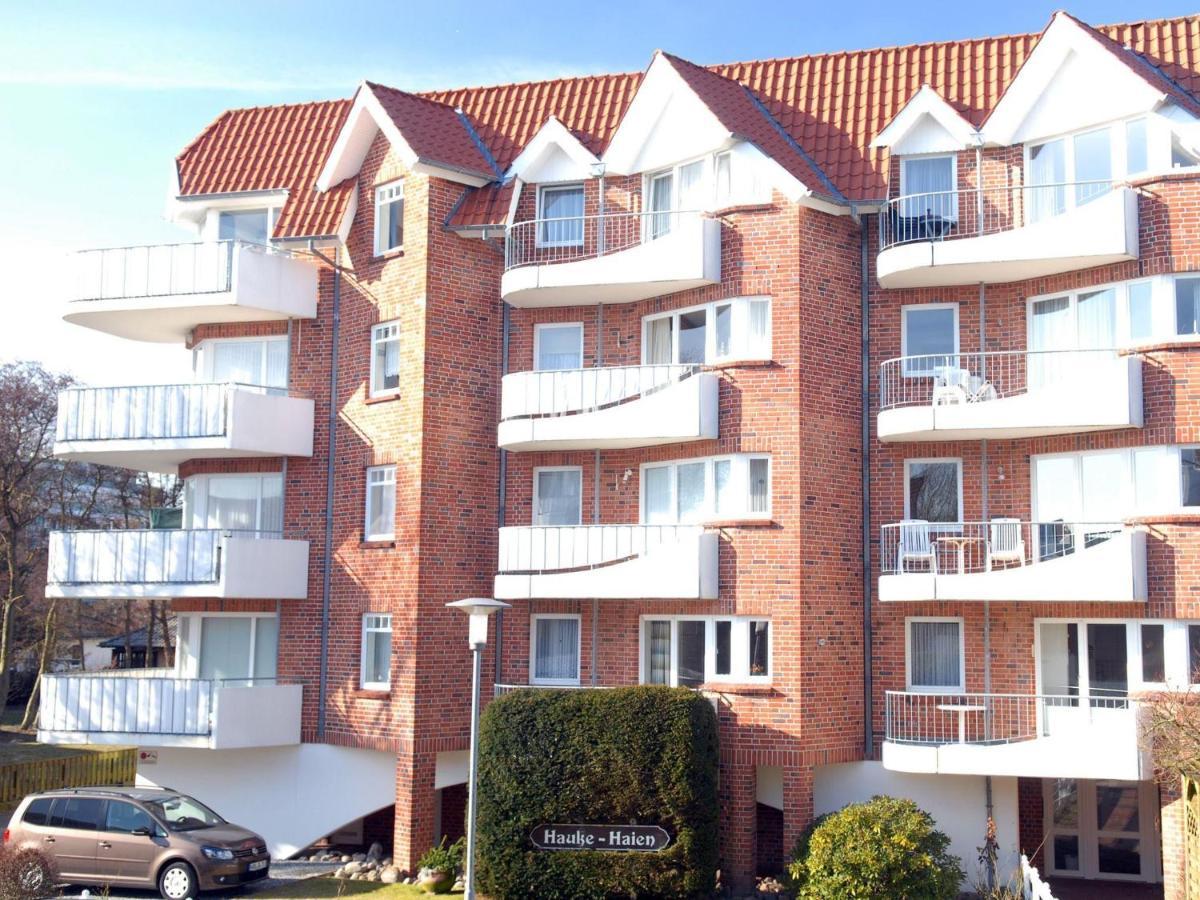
x=1101 y=829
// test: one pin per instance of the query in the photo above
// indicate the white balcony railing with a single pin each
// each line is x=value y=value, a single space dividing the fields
x=950 y=215
x=565 y=547
x=144 y=556
x=573 y=238
x=147 y=412
x=156 y=270
x=565 y=391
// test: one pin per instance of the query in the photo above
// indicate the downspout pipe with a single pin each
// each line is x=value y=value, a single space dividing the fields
x=327 y=553
x=865 y=477
x=502 y=493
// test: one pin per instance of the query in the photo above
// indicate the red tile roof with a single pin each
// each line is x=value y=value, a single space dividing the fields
x=434 y=131
x=487 y=205
x=831 y=105
x=271 y=148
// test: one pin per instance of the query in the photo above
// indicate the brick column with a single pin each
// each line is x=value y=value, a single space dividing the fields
x=738 y=823
x=1172 y=818
x=797 y=807
x=414 y=808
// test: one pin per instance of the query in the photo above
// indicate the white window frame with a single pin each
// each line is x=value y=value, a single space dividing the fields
x=383 y=333
x=190 y=641
x=536 y=494
x=553 y=188
x=961 y=687
x=533 y=620
x=953 y=157
x=739 y=330
x=739 y=648
x=1176 y=651
x=925 y=307
x=1162 y=310
x=272 y=217
x=367 y=535
x=385 y=195
x=1128 y=456
x=537 y=343
x=739 y=476
x=204 y=358
x=362 y=651
x=195 y=495
x=935 y=526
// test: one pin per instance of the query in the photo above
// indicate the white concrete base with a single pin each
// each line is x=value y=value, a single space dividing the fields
x=292 y=796
x=957 y=804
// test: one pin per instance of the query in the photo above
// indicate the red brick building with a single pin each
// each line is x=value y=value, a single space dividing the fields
x=850 y=389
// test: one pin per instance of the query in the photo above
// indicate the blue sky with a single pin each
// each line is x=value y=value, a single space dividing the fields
x=96 y=98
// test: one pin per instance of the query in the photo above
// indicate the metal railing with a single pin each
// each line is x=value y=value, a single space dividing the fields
x=555 y=548
x=141 y=556
x=158 y=270
x=130 y=702
x=552 y=393
x=990 y=719
x=965 y=548
x=973 y=212
x=572 y=238
x=941 y=379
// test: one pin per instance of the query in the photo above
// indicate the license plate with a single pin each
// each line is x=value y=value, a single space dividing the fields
x=257 y=866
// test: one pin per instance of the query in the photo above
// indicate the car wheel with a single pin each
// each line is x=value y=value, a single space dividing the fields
x=177 y=881
x=34 y=878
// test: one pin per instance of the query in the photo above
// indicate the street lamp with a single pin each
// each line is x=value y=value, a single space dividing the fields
x=480 y=610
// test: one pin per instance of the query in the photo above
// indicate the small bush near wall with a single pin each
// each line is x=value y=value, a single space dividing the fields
x=886 y=847
x=620 y=756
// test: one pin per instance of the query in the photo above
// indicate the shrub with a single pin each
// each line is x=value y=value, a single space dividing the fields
x=638 y=755
x=886 y=847
x=442 y=858
x=26 y=873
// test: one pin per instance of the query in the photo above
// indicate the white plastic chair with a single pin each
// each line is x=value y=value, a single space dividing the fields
x=951 y=385
x=915 y=544
x=1005 y=542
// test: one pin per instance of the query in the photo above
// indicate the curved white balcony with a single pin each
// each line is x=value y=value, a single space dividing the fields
x=607 y=408
x=1004 y=234
x=631 y=562
x=613 y=258
x=167 y=563
x=1006 y=559
x=1016 y=735
x=161 y=292
x=155 y=708
x=1023 y=393
x=153 y=428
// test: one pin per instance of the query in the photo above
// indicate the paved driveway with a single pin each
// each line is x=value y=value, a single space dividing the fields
x=281 y=873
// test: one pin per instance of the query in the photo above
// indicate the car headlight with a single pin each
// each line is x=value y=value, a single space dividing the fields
x=217 y=852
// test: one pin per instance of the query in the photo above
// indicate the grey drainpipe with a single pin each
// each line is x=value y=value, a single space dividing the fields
x=327 y=554
x=865 y=401
x=502 y=496
x=599 y=361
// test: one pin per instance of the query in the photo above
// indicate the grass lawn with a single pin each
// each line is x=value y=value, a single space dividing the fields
x=333 y=887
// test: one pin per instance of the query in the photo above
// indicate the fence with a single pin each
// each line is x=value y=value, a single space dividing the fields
x=573 y=238
x=557 y=548
x=83 y=768
x=528 y=394
x=1032 y=886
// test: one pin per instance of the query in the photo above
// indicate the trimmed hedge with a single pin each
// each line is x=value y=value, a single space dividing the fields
x=618 y=756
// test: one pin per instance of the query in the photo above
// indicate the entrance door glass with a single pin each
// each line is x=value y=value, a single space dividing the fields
x=1108 y=671
x=1118 y=830
x=1064 y=812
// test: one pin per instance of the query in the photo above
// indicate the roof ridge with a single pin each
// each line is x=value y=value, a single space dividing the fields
x=527 y=83
x=374 y=85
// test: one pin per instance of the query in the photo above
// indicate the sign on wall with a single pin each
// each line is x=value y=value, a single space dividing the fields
x=625 y=838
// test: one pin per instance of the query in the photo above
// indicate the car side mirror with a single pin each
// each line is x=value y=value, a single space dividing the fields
x=141 y=832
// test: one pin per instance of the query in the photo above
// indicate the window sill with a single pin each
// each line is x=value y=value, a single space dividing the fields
x=389 y=254
x=382 y=398
x=740 y=523
x=371 y=694
x=741 y=689
x=738 y=364
x=1174 y=518
x=1178 y=343
x=761 y=206
x=377 y=545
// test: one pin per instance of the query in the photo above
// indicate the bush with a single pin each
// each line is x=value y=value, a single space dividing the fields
x=638 y=755
x=886 y=847
x=442 y=858
x=26 y=874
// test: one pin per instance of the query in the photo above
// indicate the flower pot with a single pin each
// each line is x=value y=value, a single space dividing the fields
x=436 y=882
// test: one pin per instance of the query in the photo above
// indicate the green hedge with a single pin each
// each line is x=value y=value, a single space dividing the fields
x=638 y=755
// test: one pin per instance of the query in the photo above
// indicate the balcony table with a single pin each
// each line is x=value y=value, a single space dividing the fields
x=960 y=541
x=961 y=709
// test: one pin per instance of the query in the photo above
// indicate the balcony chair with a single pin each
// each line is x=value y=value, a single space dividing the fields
x=951 y=385
x=1005 y=542
x=915 y=544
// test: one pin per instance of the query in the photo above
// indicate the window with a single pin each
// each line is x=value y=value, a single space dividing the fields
x=234 y=502
x=389 y=217
x=376 y=674
x=125 y=818
x=1141 y=311
x=724 y=179
x=385 y=359
x=1181 y=157
x=688 y=651
x=555 y=657
x=1137 y=148
x=1193 y=660
x=1154 y=666
x=928 y=337
x=557 y=496
x=249 y=225
x=933 y=490
x=660 y=204
x=935 y=655
x=235 y=647
x=257 y=362
x=739 y=328
x=38 y=812
x=560 y=209
x=1189 y=472
x=1093 y=165
x=703 y=489
x=381 y=503
x=558 y=347
x=1109 y=486
x=1187 y=306
x=927 y=184
x=1046 y=174
x=77 y=812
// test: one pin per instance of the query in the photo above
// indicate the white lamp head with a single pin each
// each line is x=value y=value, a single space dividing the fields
x=480 y=610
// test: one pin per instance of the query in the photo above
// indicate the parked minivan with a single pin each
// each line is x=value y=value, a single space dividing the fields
x=138 y=837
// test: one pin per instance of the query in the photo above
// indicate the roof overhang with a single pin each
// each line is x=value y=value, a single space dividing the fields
x=554 y=154
x=926 y=124
x=191 y=209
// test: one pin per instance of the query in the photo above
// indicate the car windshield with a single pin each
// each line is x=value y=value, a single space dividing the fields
x=184 y=814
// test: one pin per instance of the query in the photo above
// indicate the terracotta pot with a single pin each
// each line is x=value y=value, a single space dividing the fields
x=437 y=882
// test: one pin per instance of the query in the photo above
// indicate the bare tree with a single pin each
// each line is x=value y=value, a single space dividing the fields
x=1171 y=732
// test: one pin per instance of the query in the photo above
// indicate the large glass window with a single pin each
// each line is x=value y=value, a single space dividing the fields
x=389 y=217
x=380 y=517
x=729 y=329
x=691 y=650
x=1137 y=147
x=1093 y=164
x=235 y=502
x=698 y=490
x=233 y=648
x=385 y=358
x=928 y=187
x=555 y=656
x=560 y=209
x=557 y=496
x=935 y=655
x=259 y=362
x=376 y=672
x=1154 y=666
x=249 y=225
x=1047 y=177
x=558 y=347
x=933 y=490
x=1187 y=306
x=928 y=337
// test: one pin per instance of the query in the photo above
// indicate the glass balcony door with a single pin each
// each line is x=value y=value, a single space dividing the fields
x=1101 y=829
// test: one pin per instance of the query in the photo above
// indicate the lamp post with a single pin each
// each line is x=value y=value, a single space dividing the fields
x=479 y=609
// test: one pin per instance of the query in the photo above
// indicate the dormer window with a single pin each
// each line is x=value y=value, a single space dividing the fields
x=389 y=217
x=927 y=184
x=249 y=225
x=560 y=209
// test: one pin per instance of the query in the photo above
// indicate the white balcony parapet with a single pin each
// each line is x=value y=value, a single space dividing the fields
x=154 y=428
x=1001 y=234
x=675 y=562
x=170 y=563
x=1016 y=735
x=607 y=408
x=611 y=258
x=161 y=292
x=1006 y=559
x=1011 y=394
x=155 y=708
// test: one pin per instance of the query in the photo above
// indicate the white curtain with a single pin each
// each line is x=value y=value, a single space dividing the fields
x=757 y=344
x=658 y=652
x=559 y=347
x=225 y=647
x=691 y=186
x=381 y=502
x=660 y=204
x=558 y=498
x=1047 y=195
x=556 y=650
x=724 y=330
x=239 y=361
x=1093 y=163
x=233 y=503
x=1050 y=329
x=1097 y=320
x=759 y=499
x=657 y=485
x=277 y=364
x=658 y=341
x=934 y=654
x=691 y=491
x=929 y=188
x=564 y=209
x=724 y=501
x=271 y=514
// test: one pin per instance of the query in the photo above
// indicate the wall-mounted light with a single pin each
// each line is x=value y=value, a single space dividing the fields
x=622 y=479
x=1000 y=476
x=598 y=168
